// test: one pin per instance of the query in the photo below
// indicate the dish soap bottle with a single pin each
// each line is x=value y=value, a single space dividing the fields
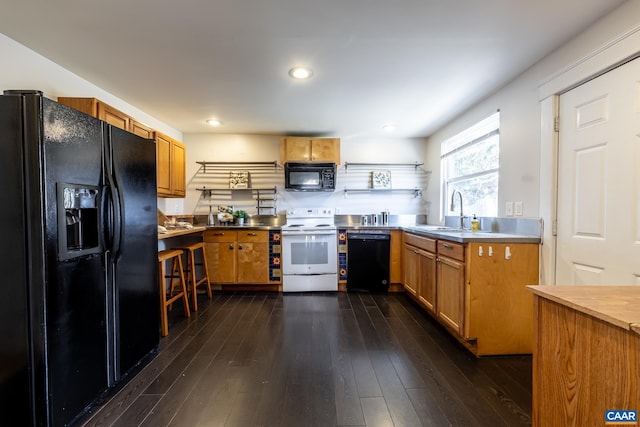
x=475 y=223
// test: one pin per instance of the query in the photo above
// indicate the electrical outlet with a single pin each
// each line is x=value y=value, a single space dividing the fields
x=508 y=209
x=517 y=207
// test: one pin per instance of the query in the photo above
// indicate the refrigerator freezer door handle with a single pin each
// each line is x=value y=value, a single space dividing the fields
x=106 y=217
x=114 y=207
x=117 y=219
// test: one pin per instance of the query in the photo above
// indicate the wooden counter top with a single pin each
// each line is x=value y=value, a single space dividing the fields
x=617 y=305
x=181 y=232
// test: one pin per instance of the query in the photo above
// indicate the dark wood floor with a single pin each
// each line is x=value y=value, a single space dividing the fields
x=321 y=359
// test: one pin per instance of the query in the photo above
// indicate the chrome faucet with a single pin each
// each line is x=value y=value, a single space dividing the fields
x=453 y=206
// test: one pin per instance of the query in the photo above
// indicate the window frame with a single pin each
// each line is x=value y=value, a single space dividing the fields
x=468 y=139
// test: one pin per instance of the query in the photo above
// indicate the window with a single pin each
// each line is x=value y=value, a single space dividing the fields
x=470 y=164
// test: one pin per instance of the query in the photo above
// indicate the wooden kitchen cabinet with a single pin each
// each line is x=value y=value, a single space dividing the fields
x=253 y=257
x=237 y=256
x=450 y=285
x=170 y=154
x=395 y=263
x=499 y=308
x=477 y=290
x=100 y=110
x=411 y=269
x=300 y=149
x=420 y=270
x=586 y=356
x=140 y=129
x=170 y=166
x=221 y=255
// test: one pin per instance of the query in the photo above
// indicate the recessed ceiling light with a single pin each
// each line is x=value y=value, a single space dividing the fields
x=301 y=73
x=214 y=122
x=389 y=128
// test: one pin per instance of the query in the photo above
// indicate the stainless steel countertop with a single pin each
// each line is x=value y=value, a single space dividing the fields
x=466 y=236
x=242 y=227
x=433 y=231
x=447 y=233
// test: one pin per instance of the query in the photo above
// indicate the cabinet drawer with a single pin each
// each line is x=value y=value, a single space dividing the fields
x=253 y=236
x=451 y=249
x=421 y=242
x=212 y=236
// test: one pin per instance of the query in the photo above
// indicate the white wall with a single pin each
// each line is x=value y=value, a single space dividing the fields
x=252 y=148
x=520 y=114
x=23 y=68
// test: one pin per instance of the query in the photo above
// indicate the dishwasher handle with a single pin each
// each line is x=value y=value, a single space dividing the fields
x=368 y=236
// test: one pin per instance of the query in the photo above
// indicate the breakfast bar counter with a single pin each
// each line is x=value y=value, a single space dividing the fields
x=181 y=232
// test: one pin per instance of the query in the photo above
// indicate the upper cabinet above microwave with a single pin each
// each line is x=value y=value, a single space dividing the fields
x=302 y=149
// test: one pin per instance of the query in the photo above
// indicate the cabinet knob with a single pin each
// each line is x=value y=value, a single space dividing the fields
x=445 y=245
x=239 y=247
x=252 y=234
x=230 y=247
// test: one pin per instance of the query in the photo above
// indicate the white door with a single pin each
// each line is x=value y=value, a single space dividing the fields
x=599 y=181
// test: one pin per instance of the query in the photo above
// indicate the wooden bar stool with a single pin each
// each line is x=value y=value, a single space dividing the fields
x=190 y=270
x=176 y=279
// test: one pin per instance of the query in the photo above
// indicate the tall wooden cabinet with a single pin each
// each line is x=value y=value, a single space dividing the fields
x=170 y=166
x=301 y=149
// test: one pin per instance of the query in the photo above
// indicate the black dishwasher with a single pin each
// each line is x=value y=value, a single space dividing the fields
x=368 y=261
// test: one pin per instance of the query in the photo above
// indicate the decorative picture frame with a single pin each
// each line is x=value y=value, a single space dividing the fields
x=381 y=180
x=239 y=180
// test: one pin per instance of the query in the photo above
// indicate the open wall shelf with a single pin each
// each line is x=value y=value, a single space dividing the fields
x=385 y=178
x=352 y=165
x=417 y=192
x=217 y=185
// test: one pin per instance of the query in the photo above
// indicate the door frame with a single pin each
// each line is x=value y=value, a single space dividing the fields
x=617 y=51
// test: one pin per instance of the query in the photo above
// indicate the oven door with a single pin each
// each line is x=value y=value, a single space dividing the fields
x=309 y=252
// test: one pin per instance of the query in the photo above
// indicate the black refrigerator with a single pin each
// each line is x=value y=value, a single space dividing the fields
x=79 y=303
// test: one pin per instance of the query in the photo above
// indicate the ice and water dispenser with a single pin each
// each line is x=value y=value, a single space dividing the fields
x=78 y=220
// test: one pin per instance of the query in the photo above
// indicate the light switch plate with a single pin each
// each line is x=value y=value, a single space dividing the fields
x=508 y=209
x=517 y=207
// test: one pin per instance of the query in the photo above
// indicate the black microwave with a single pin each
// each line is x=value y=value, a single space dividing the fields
x=309 y=176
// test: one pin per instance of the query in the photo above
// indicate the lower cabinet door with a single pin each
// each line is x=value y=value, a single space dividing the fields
x=427 y=288
x=411 y=269
x=253 y=262
x=221 y=262
x=450 y=293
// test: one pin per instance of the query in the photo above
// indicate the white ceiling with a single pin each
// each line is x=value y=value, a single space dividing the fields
x=416 y=63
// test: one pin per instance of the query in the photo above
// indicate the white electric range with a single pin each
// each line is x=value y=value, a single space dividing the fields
x=309 y=251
